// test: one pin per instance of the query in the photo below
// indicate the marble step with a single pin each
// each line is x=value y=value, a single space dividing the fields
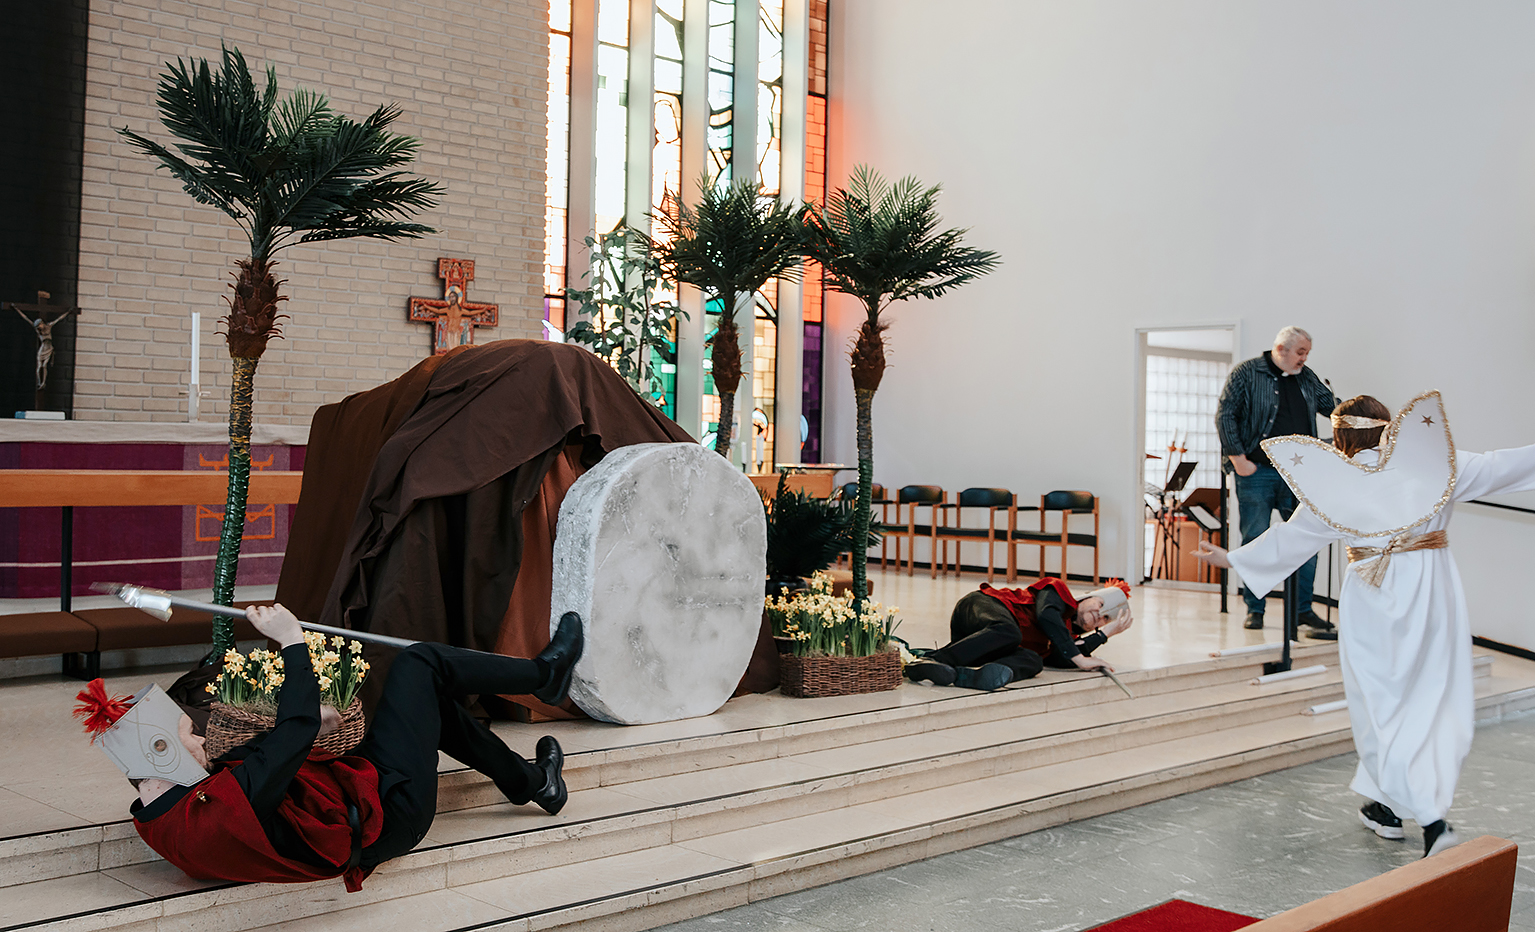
x=1090 y=708
x=571 y=874
x=494 y=881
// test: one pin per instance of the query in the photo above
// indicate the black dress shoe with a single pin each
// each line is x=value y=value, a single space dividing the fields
x=1314 y=621
x=551 y=760
x=561 y=655
x=1254 y=621
x=939 y=674
x=1321 y=628
x=988 y=676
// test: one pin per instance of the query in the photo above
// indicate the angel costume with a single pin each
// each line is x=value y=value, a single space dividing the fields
x=1404 y=642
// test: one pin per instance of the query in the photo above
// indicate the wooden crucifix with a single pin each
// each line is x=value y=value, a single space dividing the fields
x=36 y=316
x=453 y=319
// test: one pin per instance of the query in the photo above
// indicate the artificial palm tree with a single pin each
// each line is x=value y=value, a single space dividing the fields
x=880 y=243
x=287 y=171
x=729 y=246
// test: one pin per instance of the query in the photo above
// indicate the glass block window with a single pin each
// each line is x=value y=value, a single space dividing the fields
x=1181 y=394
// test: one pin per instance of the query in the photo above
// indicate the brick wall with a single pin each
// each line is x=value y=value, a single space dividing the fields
x=471 y=78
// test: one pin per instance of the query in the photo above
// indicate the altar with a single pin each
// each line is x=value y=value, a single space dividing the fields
x=165 y=546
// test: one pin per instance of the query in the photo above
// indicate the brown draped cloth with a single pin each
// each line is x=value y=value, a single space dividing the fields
x=443 y=503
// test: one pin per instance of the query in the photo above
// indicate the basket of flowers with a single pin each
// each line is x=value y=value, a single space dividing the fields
x=833 y=649
x=248 y=687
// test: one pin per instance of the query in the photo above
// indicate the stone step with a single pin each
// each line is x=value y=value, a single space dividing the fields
x=745 y=831
x=1075 y=704
x=674 y=878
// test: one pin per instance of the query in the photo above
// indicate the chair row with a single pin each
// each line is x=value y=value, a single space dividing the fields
x=899 y=521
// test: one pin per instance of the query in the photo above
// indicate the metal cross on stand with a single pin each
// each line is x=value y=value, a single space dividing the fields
x=453 y=319
x=36 y=316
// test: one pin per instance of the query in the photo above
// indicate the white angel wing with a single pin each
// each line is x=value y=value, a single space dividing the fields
x=1412 y=482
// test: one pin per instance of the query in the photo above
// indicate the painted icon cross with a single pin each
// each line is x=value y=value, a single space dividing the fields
x=453 y=319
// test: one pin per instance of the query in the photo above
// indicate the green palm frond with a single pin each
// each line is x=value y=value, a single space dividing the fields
x=881 y=242
x=289 y=171
x=733 y=242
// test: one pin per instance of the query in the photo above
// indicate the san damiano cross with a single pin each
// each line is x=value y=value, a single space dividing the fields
x=453 y=319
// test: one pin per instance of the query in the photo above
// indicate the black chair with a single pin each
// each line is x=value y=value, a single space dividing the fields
x=993 y=500
x=848 y=492
x=913 y=497
x=1068 y=504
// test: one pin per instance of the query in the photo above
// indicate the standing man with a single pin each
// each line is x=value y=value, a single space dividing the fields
x=1274 y=395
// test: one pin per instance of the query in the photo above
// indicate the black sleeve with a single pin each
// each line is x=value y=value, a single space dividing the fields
x=1233 y=399
x=1050 y=617
x=271 y=762
x=1092 y=642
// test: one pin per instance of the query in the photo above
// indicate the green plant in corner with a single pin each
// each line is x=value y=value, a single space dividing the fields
x=881 y=244
x=729 y=246
x=287 y=171
x=627 y=322
x=805 y=534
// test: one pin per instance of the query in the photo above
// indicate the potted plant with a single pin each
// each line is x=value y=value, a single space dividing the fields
x=805 y=535
x=881 y=244
x=247 y=689
x=835 y=649
x=728 y=246
x=287 y=171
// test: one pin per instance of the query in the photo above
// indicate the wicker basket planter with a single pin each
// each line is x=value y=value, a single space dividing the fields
x=229 y=727
x=815 y=677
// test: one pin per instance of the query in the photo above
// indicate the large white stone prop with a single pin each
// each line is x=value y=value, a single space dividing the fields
x=661 y=548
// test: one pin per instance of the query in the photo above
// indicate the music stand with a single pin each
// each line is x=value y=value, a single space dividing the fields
x=1168 y=512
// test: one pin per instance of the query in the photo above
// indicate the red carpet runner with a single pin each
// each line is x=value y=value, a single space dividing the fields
x=1177 y=916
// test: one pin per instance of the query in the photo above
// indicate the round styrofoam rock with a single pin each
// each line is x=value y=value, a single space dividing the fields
x=661 y=549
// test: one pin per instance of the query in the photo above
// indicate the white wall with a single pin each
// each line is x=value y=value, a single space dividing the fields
x=1365 y=170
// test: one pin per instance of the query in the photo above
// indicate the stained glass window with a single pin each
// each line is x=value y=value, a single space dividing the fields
x=557 y=166
x=815 y=190
x=770 y=95
x=722 y=44
x=707 y=144
x=612 y=111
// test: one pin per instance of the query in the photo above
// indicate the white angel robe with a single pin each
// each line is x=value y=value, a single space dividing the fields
x=1405 y=647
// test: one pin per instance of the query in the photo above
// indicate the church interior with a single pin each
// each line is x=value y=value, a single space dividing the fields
x=476 y=372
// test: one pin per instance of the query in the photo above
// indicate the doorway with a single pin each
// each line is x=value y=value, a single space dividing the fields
x=1182 y=371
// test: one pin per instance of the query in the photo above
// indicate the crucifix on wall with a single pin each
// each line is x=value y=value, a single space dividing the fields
x=37 y=317
x=453 y=318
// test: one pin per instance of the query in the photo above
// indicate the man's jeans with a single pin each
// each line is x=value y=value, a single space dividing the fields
x=1258 y=495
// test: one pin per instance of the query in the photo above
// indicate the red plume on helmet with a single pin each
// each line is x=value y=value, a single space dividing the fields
x=1120 y=583
x=98 y=711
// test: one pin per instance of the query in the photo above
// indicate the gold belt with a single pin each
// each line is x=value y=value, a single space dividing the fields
x=1381 y=556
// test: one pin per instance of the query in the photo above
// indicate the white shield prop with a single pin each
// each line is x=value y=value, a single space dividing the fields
x=145 y=743
x=661 y=549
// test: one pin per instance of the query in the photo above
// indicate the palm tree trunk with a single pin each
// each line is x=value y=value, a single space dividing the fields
x=868 y=364
x=862 y=508
x=251 y=322
x=225 y=566
x=725 y=354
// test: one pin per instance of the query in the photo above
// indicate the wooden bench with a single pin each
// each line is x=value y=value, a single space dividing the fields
x=80 y=636
x=1469 y=888
x=815 y=485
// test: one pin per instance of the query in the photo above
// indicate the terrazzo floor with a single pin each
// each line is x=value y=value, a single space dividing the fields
x=1256 y=847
